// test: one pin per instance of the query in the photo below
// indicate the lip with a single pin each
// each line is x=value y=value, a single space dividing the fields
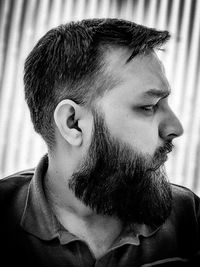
x=165 y=157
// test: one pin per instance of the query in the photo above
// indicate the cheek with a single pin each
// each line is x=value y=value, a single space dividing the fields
x=145 y=139
x=139 y=134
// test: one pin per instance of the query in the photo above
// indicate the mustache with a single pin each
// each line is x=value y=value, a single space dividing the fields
x=160 y=155
x=166 y=148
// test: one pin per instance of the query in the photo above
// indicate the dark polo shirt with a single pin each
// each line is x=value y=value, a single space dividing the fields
x=30 y=234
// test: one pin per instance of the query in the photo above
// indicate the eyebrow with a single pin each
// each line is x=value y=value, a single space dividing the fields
x=156 y=93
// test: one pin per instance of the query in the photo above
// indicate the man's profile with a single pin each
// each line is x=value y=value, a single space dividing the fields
x=98 y=96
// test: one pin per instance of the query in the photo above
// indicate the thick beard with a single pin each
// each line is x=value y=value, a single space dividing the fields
x=114 y=180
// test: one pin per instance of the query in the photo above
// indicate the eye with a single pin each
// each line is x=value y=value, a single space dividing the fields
x=150 y=108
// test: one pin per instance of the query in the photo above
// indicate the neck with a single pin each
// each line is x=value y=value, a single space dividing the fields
x=59 y=196
x=98 y=231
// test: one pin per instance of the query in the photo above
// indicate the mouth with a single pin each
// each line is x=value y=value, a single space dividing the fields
x=161 y=155
x=164 y=154
x=165 y=157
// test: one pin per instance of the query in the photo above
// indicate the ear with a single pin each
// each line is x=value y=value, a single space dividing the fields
x=66 y=116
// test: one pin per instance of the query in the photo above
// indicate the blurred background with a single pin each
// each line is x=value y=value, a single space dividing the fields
x=23 y=22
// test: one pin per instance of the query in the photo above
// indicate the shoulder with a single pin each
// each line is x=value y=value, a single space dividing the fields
x=11 y=185
x=185 y=201
x=16 y=179
x=13 y=194
x=182 y=193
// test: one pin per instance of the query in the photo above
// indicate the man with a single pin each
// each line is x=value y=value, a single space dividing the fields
x=98 y=96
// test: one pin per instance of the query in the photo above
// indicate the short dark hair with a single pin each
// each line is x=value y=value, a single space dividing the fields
x=68 y=63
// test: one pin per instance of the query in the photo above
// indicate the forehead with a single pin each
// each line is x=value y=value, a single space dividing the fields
x=142 y=73
x=116 y=57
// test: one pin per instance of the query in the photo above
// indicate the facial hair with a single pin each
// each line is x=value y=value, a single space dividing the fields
x=115 y=180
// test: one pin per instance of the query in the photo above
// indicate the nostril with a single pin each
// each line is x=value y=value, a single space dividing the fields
x=170 y=137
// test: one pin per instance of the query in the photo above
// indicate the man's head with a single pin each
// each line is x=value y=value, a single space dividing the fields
x=69 y=62
x=98 y=89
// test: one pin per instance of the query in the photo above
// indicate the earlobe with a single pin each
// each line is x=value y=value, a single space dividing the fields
x=67 y=122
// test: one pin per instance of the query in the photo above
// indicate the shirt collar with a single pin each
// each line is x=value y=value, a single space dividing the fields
x=133 y=236
x=39 y=220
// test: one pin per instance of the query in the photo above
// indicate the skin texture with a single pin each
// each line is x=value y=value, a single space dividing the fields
x=143 y=130
x=134 y=117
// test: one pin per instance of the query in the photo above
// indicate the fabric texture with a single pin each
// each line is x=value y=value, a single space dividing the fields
x=31 y=235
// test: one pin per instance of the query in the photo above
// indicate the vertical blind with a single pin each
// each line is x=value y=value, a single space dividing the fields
x=23 y=22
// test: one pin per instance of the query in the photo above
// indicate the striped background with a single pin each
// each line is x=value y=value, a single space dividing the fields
x=22 y=22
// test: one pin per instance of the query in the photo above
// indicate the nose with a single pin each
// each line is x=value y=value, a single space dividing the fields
x=170 y=127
